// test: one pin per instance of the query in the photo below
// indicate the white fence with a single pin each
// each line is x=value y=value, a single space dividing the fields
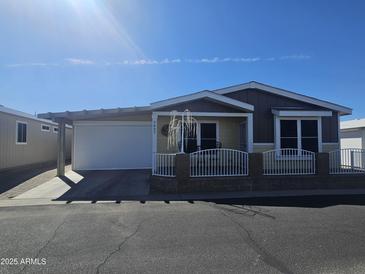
x=289 y=162
x=346 y=161
x=164 y=165
x=218 y=162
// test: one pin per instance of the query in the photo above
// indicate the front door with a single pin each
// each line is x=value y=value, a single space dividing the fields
x=208 y=135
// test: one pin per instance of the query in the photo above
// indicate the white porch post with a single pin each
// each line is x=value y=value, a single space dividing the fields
x=250 y=132
x=277 y=132
x=319 y=127
x=154 y=140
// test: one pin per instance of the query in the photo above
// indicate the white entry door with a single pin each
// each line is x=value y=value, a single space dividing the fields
x=112 y=145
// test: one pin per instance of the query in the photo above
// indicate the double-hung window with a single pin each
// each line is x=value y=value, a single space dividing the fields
x=299 y=134
x=21 y=133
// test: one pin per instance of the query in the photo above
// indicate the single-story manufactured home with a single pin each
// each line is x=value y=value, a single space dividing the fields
x=28 y=140
x=250 y=117
x=352 y=134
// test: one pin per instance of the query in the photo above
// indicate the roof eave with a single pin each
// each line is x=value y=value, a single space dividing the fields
x=201 y=95
x=286 y=93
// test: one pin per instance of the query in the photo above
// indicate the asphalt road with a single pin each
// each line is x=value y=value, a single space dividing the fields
x=293 y=235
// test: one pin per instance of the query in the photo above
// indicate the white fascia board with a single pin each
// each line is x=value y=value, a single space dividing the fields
x=112 y=123
x=25 y=115
x=202 y=114
x=301 y=113
x=286 y=93
x=201 y=95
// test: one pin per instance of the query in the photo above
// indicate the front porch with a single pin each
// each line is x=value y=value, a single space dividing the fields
x=208 y=131
x=217 y=143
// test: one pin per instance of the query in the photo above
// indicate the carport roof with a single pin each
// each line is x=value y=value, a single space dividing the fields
x=97 y=113
x=88 y=114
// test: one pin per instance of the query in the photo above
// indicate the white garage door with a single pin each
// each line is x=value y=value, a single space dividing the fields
x=112 y=145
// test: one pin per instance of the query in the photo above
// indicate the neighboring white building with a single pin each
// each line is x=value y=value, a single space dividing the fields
x=26 y=139
x=352 y=134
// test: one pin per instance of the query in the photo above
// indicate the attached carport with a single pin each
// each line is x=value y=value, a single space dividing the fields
x=109 y=139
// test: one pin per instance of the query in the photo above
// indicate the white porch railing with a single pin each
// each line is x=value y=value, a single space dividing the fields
x=346 y=161
x=289 y=162
x=164 y=165
x=218 y=162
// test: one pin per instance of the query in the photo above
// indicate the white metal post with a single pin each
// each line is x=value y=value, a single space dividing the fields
x=250 y=132
x=154 y=140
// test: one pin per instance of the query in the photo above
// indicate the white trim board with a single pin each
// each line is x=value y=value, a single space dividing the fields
x=112 y=123
x=263 y=144
x=289 y=94
x=301 y=113
x=206 y=114
x=200 y=95
x=112 y=168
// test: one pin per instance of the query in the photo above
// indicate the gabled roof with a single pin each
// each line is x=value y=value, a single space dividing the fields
x=214 y=95
x=289 y=94
x=202 y=95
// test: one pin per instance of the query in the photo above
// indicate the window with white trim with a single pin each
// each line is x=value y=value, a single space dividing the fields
x=289 y=134
x=45 y=128
x=299 y=134
x=309 y=135
x=202 y=135
x=55 y=129
x=21 y=133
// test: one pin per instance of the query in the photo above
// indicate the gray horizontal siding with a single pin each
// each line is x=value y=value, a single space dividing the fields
x=263 y=118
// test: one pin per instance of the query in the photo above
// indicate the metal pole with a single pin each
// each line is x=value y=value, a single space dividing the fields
x=61 y=145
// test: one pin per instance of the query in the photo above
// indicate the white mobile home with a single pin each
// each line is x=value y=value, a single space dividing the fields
x=27 y=140
x=352 y=134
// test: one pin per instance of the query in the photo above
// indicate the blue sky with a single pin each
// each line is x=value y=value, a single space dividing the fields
x=74 y=54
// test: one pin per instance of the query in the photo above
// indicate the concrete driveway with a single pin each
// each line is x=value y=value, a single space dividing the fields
x=92 y=185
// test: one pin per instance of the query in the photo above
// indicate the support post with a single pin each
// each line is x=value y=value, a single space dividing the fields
x=256 y=168
x=154 y=140
x=182 y=168
x=250 y=133
x=61 y=145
